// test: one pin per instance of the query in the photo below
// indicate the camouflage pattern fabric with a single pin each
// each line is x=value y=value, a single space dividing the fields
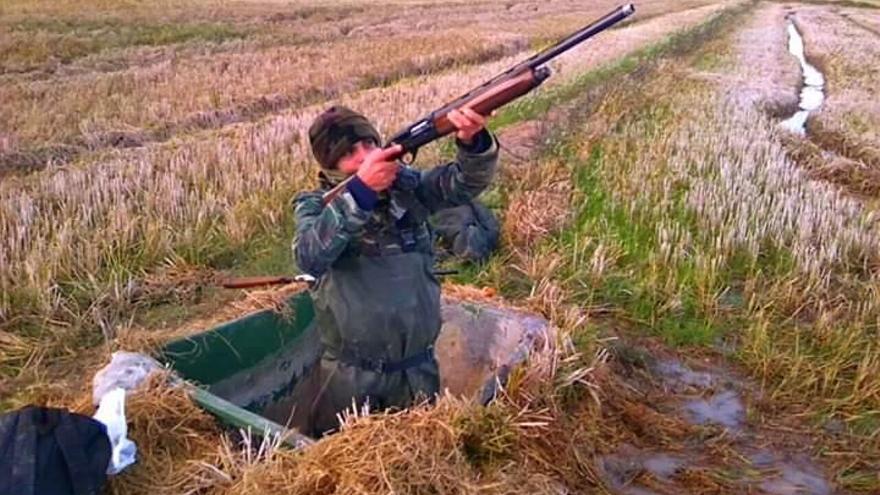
x=324 y=233
x=469 y=231
x=376 y=297
x=335 y=131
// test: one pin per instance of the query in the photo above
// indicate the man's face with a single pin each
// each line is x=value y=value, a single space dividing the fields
x=351 y=162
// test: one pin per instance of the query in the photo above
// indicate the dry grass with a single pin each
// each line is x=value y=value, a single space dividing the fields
x=193 y=66
x=471 y=293
x=853 y=176
x=452 y=447
x=412 y=452
x=847 y=53
x=868 y=20
x=702 y=199
x=16 y=352
x=538 y=201
x=82 y=233
x=99 y=110
x=176 y=441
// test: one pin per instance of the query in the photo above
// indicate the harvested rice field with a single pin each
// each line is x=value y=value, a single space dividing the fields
x=689 y=203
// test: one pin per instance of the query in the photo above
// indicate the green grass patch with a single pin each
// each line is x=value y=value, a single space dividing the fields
x=677 y=317
x=859 y=480
x=486 y=436
x=709 y=61
x=267 y=254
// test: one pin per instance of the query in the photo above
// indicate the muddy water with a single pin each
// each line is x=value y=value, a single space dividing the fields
x=813 y=91
x=723 y=409
x=681 y=377
x=711 y=398
x=790 y=475
x=663 y=466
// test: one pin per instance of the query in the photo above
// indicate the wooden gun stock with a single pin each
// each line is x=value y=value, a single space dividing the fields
x=250 y=282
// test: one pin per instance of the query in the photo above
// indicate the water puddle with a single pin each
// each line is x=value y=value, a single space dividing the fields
x=725 y=409
x=680 y=377
x=722 y=408
x=789 y=476
x=813 y=92
x=710 y=396
x=663 y=466
x=621 y=469
x=775 y=473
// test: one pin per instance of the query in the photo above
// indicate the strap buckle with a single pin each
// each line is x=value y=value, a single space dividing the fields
x=408 y=238
x=377 y=365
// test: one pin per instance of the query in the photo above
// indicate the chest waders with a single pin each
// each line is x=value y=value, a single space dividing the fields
x=378 y=311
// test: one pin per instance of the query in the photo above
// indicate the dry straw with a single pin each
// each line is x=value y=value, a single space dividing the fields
x=133 y=210
x=450 y=447
x=175 y=440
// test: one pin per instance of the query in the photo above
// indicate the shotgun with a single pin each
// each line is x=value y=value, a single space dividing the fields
x=494 y=93
x=484 y=99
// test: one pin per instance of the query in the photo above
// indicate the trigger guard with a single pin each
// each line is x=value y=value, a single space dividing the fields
x=409 y=157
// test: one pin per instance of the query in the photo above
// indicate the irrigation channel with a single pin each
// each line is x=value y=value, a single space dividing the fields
x=813 y=90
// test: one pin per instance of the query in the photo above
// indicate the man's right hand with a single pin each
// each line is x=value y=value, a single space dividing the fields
x=379 y=168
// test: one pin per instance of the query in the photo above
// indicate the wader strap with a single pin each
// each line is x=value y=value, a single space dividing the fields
x=382 y=366
x=397 y=240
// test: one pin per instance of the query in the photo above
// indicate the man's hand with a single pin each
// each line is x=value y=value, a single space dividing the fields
x=379 y=168
x=468 y=122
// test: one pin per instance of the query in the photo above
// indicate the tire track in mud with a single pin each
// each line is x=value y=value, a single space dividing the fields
x=713 y=408
x=824 y=154
x=702 y=407
x=832 y=155
x=812 y=91
x=859 y=24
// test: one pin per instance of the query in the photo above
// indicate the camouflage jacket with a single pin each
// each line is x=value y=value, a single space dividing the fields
x=343 y=228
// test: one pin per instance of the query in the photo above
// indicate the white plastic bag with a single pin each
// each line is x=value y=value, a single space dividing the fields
x=111 y=412
x=126 y=369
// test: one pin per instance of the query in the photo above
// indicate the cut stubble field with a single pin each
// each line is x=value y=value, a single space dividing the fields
x=653 y=210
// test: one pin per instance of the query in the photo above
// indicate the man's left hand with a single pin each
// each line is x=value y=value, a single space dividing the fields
x=468 y=122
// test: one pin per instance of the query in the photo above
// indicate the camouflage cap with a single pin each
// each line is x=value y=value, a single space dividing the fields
x=334 y=132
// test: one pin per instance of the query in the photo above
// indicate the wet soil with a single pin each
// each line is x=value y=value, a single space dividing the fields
x=728 y=446
x=828 y=155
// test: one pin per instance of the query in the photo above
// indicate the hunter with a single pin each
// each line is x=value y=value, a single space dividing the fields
x=376 y=298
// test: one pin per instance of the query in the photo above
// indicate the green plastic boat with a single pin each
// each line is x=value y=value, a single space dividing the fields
x=254 y=372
